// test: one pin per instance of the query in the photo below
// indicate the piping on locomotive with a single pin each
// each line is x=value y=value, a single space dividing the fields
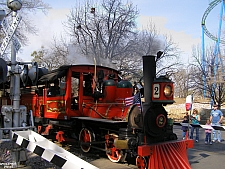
x=90 y=105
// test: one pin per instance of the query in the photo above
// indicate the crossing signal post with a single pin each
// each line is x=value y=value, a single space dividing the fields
x=14 y=115
x=14 y=109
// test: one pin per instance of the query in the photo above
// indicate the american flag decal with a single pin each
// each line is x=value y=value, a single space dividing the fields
x=136 y=99
x=129 y=101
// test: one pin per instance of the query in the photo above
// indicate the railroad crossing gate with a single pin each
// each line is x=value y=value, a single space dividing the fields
x=10 y=34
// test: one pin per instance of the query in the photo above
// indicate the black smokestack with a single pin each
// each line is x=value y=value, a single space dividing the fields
x=149 y=72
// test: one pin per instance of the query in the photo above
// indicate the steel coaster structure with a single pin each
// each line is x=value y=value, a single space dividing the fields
x=216 y=60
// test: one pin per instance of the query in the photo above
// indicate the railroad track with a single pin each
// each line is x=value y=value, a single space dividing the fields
x=36 y=162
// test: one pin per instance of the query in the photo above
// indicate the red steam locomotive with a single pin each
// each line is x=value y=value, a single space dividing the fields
x=95 y=106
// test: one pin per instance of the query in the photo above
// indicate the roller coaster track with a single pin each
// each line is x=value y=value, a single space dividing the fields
x=208 y=10
x=216 y=59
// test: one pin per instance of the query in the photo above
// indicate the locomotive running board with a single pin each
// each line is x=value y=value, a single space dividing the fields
x=49 y=151
x=99 y=120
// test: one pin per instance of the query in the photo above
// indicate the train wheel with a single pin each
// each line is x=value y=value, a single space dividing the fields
x=114 y=154
x=141 y=162
x=85 y=138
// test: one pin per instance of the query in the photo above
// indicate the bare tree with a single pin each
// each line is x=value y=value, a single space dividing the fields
x=99 y=29
x=107 y=33
x=180 y=79
x=148 y=42
x=209 y=77
x=26 y=25
x=168 y=62
x=38 y=56
x=47 y=58
x=60 y=50
x=139 y=44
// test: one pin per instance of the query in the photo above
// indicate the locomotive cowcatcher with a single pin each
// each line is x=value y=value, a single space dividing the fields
x=93 y=105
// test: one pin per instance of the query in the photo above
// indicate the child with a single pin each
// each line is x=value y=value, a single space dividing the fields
x=184 y=127
x=208 y=133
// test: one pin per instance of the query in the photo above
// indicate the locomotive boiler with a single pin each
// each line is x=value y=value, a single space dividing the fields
x=93 y=105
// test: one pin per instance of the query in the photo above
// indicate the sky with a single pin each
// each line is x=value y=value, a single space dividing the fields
x=180 y=19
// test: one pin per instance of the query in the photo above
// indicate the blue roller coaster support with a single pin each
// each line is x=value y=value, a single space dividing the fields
x=214 y=60
x=203 y=63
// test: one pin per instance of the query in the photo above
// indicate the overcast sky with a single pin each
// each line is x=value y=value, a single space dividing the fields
x=179 y=18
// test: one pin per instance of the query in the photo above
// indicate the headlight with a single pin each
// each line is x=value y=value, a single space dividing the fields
x=168 y=91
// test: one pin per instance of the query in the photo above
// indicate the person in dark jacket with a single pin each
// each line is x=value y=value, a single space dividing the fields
x=184 y=127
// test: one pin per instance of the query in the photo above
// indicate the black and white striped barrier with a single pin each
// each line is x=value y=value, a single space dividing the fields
x=49 y=151
x=201 y=126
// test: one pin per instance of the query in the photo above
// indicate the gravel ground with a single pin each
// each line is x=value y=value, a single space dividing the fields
x=34 y=161
x=7 y=158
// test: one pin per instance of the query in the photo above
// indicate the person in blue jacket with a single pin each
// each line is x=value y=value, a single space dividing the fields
x=216 y=117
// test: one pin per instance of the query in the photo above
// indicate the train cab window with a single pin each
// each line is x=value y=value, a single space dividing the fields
x=54 y=89
x=57 y=88
x=62 y=86
x=75 y=81
x=87 y=84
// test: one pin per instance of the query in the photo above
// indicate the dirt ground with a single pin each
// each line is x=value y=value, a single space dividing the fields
x=177 y=110
x=196 y=100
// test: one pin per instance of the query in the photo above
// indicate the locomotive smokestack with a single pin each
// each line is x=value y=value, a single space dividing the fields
x=149 y=72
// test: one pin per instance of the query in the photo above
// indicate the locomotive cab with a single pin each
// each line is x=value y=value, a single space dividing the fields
x=81 y=87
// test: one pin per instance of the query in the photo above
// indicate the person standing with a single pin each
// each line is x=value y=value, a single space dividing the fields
x=187 y=115
x=184 y=128
x=195 y=119
x=208 y=131
x=216 y=117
